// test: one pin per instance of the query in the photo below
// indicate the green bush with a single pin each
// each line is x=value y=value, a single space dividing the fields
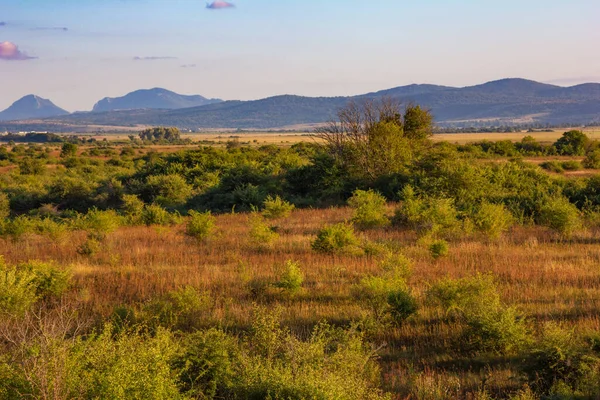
x=427 y=215
x=292 y=277
x=553 y=166
x=133 y=208
x=369 y=209
x=489 y=324
x=99 y=223
x=572 y=165
x=90 y=247
x=262 y=234
x=560 y=362
x=332 y=364
x=592 y=159
x=275 y=208
x=200 y=226
x=572 y=143
x=18 y=227
x=17 y=290
x=47 y=227
x=493 y=219
x=561 y=216
x=207 y=366
x=335 y=238
x=180 y=309
x=156 y=215
x=4 y=206
x=50 y=281
x=168 y=190
x=402 y=305
x=439 y=249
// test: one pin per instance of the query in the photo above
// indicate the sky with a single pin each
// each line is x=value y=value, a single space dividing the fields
x=76 y=52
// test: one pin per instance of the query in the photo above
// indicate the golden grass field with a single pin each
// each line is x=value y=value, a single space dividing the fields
x=546 y=278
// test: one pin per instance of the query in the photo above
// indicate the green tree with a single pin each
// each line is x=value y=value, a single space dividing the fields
x=68 y=150
x=572 y=143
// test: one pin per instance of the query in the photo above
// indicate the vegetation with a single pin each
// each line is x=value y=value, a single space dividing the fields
x=146 y=271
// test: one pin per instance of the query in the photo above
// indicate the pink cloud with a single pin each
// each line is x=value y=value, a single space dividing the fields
x=219 y=4
x=10 y=52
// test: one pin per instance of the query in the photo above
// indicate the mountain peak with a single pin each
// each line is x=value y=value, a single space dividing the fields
x=154 y=98
x=30 y=107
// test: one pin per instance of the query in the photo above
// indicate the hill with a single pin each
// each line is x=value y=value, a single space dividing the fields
x=30 y=107
x=156 y=98
x=502 y=102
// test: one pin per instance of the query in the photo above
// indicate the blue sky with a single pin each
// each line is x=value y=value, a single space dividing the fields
x=267 y=47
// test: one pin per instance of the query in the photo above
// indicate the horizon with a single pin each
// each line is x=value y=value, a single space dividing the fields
x=75 y=53
x=292 y=94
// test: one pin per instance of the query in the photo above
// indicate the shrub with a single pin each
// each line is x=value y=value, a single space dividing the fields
x=490 y=325
x=561 y=216
x=592 y=159
x=427 y=215
x=439 y=249
x=98 y=223
x=49 y=281
x=207 y=365
x=18 y=227
x=4 y=206
x=402 y=305
x=275 y=208
x=51 y=229
x=396 y=265
x=168 y=190
x=292 y=277
x=332 y=364
x=90 y=247
x=572 y=143
x=156 y=215
x=553 y=166
x=571 y=165
x=335 y=238
x=261 y=234
x=560 y=360
x=17 y=290
x=493 y=219
x=133 y=208
x=369 y=209
x=200 y=226
x=179 y=309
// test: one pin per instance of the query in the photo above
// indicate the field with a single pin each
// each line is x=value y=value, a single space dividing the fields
x=231 y=270
x=546 y=278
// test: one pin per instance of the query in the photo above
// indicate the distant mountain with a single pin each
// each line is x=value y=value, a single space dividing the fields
x=156 y=98
x=503 y=102
x=31 y=107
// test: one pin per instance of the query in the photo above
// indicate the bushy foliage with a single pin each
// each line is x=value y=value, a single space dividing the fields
x=572 y=143
x=490 y=325
x=291 y=278
x=200 y=226
x=561 y=363
x=179 y=309
x=427 y=215
x=439 y=249
x=335 y=238
x=160 y=134
x=99 y=223
x=276 y=207
x=23 y=285
x=262 y=234
x=493 y=219
x=132 y=208
x=369 y=209
x=156 y=215
x=561 y=216
x=4 y=207
x=592 y=159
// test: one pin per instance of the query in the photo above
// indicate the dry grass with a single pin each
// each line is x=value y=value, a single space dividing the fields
x=546 y=278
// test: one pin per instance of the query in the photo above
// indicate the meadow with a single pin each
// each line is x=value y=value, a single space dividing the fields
x=455 y=271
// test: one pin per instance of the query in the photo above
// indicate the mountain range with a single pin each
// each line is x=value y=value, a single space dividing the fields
x=506 y=101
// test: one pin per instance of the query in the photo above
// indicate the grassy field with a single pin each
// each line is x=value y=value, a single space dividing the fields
x=548 y=279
